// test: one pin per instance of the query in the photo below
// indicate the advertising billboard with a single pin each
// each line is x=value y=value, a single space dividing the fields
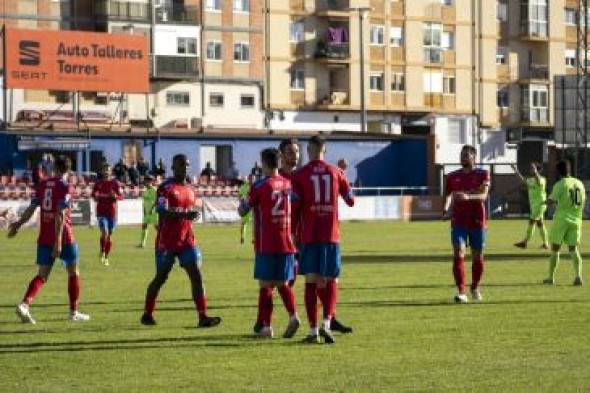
x=76 y=61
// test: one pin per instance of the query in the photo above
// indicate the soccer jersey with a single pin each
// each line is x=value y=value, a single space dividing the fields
x=468 y=214
x=106 y=205
x=536 y=190
x=316 y=187
x=270 y=198
x=52 y=196
x=570 y=195
x=176 y=234
x=149 y=200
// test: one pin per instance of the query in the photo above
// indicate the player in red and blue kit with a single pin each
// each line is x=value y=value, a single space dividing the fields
x=466 y=191
x=270 y=198
x=106 y=193
x=56 y=238
x=176 y=199
x=316 y=188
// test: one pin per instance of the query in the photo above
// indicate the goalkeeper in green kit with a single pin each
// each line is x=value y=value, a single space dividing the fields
x=536 y=188
x=150 y=217
x=569 y=195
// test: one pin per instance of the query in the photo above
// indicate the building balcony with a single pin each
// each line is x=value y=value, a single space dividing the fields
x=122 y=11
x=534 y=31
x=334 y=98
x=433 y=55
x=536 y=116
x=332 y=50
x=177 y=15
x=534 y=72
x=176 y=67
x=333 y=8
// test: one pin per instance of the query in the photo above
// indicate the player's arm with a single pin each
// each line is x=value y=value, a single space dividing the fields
x=26 y=216
x=248 y=202
x=447 y=201
x=518 y=174
x=59 y=230
x=118 y=192
x=345 y=190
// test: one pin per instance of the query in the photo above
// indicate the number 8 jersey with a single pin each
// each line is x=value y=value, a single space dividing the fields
x=53 y=195
x=316 y=188
x=270 y=198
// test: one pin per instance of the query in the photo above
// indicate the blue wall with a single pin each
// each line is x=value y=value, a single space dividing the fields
x=372 y=163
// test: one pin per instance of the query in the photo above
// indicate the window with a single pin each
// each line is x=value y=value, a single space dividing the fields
x=446 y=2
x=448 y=40
x=432 y=42
x=216 y=100
x=570 y=17
x=433 y=82
x=178 y=98
x=242 y=5
x=377 y=35
x=297 y=80
x=213 y=5
x=534 y=18
x=213 y=50
x=376 y=82
x=503 y=97
x=247 y=101
x=296 y=32
x=241 y=51
x=570 y=57
x=502 y=12
x=187 y=46
x=396 y=36
x=61 y=96
x=398 y=81
x=534 y=103
x=449 y=85
x=501 y=55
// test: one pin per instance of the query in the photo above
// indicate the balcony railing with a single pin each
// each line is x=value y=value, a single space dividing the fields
x=122 y=10
x=433 y=55
x=534 y=115
x=332 y=5
x=177 y=14
x=336 y=96
x=333 y=50
x=176 y=67
x=535 y=71
x=534 y=29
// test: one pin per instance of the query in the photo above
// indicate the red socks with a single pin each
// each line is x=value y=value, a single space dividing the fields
x=34 y=288
x=201 y=304
x=477 y=271
x=311 y=304
x=265 y=306
x=102 y=242
x=459 y=273
x=328 y=297
x=150 y=305
x=74 y=291
x=108 y=243
x=288 y=297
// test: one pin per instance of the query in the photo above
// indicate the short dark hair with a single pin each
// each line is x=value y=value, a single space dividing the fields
x=270 y=157
x=179 y=157
x=286 y=142
x=318 y=141
x=470 y=148
x=564 y=168
x=63 y=164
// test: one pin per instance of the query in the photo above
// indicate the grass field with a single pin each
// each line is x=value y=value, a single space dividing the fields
x=395 y=291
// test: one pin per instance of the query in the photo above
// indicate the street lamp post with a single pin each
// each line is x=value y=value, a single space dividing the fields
x=362 y=12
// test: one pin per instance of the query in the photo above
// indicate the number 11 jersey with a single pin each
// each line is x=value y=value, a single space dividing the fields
x=316 y=187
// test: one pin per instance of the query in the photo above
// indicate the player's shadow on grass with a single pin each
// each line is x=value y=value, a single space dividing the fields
x=139 y=302
x=436 y=303
x=227 y=341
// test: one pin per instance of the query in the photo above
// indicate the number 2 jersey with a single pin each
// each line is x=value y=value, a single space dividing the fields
x=53 y=195
x=570 y=195
x=270 y=198
x=316 y=187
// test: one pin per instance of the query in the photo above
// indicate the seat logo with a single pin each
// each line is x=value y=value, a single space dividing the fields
x=29 y=53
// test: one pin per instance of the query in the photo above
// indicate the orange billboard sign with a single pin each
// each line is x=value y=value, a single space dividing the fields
x=76 y=61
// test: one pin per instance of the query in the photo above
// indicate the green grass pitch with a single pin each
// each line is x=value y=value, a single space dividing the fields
x=396 y=291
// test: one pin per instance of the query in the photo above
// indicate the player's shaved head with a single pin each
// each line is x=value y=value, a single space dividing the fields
x=63 y=164
x=270 y=158
x=316 y=147
x=564 y=168
x=180 y=165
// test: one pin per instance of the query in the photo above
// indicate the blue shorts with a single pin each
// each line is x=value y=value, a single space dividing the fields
x=107 y=223
x=69 y=254
x=188 y=256
x=274 y=267
x=320 y=258
x=472 y=237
